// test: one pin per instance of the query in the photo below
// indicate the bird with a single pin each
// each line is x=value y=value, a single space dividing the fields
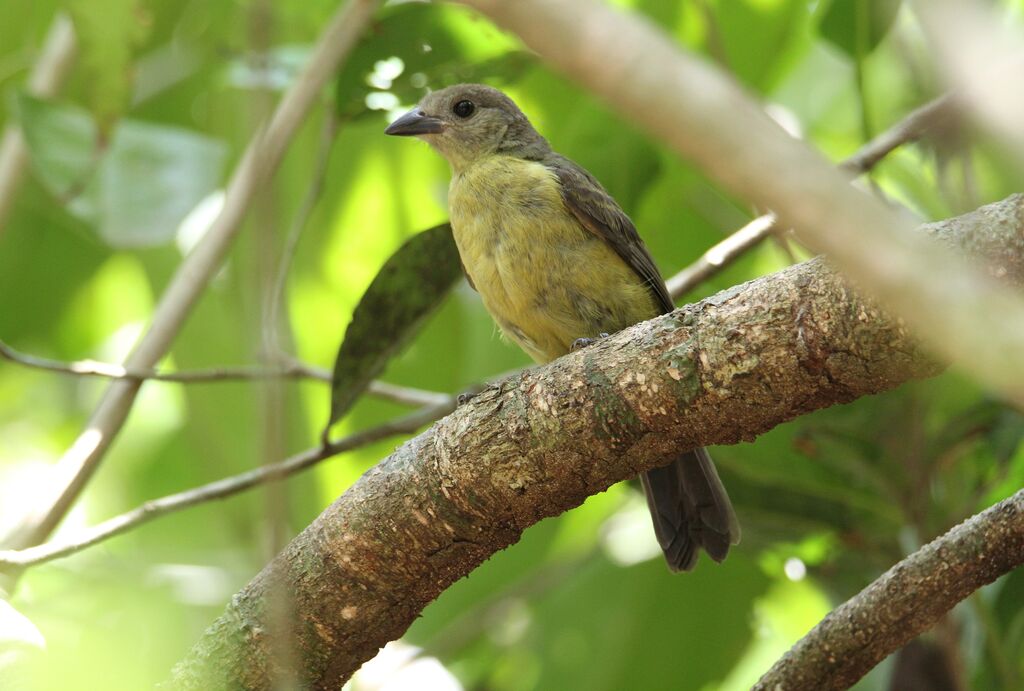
x=557 y=264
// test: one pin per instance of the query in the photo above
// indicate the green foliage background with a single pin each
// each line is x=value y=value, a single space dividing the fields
x=161 y=103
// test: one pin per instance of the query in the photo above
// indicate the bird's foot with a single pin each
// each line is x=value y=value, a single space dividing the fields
x=465 y=397
x=580 y=343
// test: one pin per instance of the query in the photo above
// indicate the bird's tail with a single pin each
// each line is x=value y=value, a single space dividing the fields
x=691 y=510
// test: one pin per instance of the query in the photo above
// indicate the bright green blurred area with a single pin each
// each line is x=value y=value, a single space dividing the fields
x=127 y=164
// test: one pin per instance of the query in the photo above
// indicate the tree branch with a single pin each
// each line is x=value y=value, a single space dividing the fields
x=260 y=160
x=962 y=315
x=47 y=76
x=290 y=369
x=912 y=127
x=220 y=489
x=720 y=371
x=905 y=601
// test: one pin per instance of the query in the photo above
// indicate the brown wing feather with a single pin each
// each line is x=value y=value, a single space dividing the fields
x=688 y=503
x=601 y=215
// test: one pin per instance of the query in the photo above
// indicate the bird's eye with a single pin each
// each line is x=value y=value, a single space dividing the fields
x=463 y=109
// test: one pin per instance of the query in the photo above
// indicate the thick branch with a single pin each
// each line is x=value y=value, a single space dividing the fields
x=905 y=601
x=721 y=371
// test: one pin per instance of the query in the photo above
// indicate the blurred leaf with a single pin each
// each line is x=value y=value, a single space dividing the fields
x=1006 y=435
x=502 y=68
x=150 y=179
x=108 y=32
x=856 y=27
x=136 y=190
x=407 y=289
x=63 y=143
x=758 y=40
x=430 y=52
x=272 y=71
x=584 y=639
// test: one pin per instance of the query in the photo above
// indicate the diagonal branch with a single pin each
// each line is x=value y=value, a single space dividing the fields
x=905 y=601
x=720 y=371
x=260 y=160
x=290 y=369
x=932 y=115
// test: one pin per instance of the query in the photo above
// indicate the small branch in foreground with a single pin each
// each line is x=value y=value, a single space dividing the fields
x=912 y=127
x=290 y=369
x=905 y=601
x=219 y=489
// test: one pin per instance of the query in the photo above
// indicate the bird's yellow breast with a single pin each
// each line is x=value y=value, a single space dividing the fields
x=544 y=278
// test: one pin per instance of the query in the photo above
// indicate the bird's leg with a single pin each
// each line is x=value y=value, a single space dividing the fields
x=471 y=393
x=584 y=342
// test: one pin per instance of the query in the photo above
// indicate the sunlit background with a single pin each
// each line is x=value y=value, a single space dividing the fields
x=128 y=167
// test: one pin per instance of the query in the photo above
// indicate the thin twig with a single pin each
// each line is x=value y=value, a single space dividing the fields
x=915 y=125
x=47 y=76
x=107 y=370
x=290 y=369
x=260 y=161
x=721 y=255
x=219 y=489
x=909 y=129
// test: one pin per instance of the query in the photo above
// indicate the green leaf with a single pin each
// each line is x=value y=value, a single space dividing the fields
x=108 y=32
x=64 y=145
x=856 y=27
x=582 y=638
x=407 y=289
x=757 y=41
x=136 y=189
x=432 y=46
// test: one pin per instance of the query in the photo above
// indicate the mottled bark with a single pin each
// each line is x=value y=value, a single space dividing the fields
x=717 y=372
x=905 y=601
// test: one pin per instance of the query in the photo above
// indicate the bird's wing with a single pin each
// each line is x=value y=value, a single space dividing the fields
x=600 y=214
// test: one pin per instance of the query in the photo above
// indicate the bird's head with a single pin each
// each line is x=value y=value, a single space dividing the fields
x=468 y=122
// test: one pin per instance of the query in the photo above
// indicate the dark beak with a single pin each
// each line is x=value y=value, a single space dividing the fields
x=414 y=122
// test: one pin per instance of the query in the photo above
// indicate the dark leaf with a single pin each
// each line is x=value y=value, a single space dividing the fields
x=402 y=295
x=856 y=27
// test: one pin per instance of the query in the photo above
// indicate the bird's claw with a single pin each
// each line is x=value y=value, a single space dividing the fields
x=580 y=343
x=465 y=397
